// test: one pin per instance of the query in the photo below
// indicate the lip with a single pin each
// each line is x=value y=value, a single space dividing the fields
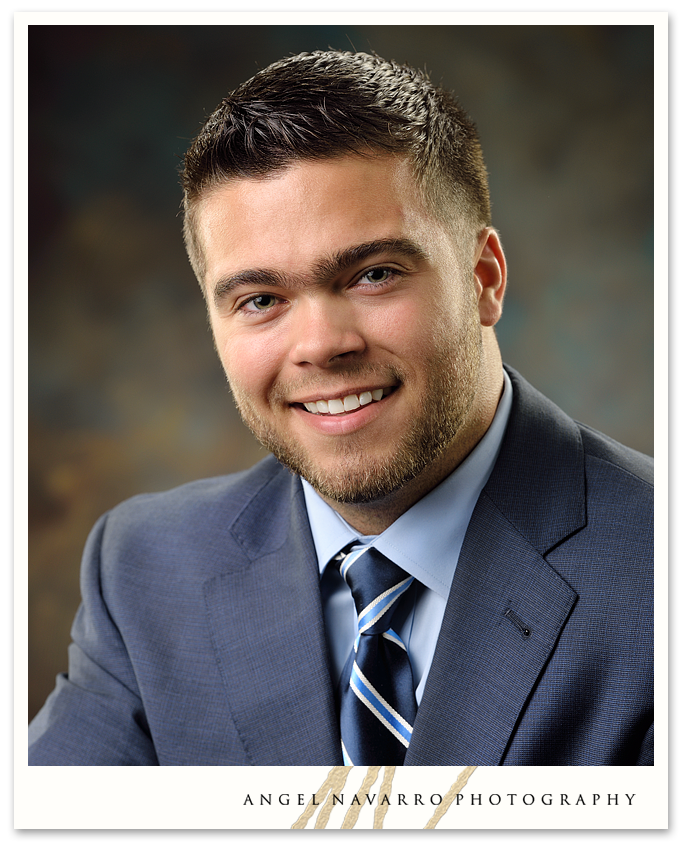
x=347 y=422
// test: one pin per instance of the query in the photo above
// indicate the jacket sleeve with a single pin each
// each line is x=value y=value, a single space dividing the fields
x=95 y=714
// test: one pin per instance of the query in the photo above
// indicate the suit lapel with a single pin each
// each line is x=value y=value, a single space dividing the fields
x=486 y=665
x=267 y=628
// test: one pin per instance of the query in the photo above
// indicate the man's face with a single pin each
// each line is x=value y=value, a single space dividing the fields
x=346 y=319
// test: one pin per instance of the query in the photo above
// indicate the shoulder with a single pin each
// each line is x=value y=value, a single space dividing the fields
x=197 y=523
x=220 y=499
x=619 y=497
x=602 y=452
x=537 y=421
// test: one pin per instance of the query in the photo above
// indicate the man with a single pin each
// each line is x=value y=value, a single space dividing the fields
x=437 y=565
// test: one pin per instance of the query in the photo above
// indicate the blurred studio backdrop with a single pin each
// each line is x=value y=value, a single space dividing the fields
x=126 y=394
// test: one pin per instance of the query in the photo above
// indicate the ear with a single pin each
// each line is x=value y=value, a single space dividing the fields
x=490 y=276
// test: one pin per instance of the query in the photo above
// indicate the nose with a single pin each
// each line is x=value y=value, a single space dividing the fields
x=324 y=331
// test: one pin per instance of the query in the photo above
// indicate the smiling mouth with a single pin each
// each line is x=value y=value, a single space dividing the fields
x=347 y=404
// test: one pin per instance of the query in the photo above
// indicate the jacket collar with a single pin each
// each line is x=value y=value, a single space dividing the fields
x=538 y=483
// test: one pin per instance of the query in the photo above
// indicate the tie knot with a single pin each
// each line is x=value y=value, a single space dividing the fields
x=377 y=584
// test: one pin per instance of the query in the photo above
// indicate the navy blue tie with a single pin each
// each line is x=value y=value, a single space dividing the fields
x=378 y=703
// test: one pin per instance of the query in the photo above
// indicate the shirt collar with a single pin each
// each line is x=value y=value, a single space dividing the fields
x=426 y=540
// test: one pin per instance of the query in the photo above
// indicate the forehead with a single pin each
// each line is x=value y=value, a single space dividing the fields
x=294 y=218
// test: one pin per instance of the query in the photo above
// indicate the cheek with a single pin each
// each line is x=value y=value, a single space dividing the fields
x=414 y=329
x=399 y=325
x=248 y=364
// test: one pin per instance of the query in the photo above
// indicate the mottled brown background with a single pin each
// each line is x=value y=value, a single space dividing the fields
x=125 y=392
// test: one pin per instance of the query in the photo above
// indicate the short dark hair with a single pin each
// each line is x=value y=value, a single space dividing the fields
x=325 y=104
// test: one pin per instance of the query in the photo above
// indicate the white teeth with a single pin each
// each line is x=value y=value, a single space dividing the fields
x=344 y=405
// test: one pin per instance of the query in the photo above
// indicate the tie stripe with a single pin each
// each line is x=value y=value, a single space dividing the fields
x=349 y=558
x=380 y=707
x=382 y=604
x=394 y=637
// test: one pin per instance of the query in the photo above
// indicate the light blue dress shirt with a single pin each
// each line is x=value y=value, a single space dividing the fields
x=425 y=542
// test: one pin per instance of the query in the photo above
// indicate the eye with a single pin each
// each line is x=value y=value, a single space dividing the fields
x=260 y=303
x=378 y=275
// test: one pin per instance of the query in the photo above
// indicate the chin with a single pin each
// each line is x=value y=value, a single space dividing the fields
x=357 y=479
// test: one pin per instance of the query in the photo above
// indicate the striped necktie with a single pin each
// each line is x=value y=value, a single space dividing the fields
x=378 y=704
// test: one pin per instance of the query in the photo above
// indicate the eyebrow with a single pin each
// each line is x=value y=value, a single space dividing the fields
x=260 y=278
x=322 y=271
x=343 y=260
